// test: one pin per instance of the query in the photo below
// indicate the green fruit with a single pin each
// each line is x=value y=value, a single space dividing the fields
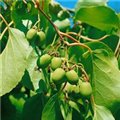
x=56 y=62
x=58 y=76
x=70 y=88
x=79 y=82
x=40 y=39
x=76 y=89
x=44 y=61
x=31 y=35
x=85 y=89
x=72 y=77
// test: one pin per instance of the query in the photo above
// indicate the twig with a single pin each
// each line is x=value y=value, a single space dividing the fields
x=68 y=36
x=36 y=23
x=92 y=100
x=57 y=30
x=87 y=78
x=72 y=33
x=118 y=45
x=4 y=20
x=117 y=56
x=42 y=4
x=86 y=38
x=78 y=44
x=64 y=86
x=5 y=30
x=93 y=40
x=25 y=2
x=55 y=27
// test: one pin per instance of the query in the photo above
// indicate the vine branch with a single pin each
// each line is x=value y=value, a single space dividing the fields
x=78 y=44
x=117 y=48
x=55 y=27
x=4 y=20
x=86 y=75
x=64 y=34
x=86 y=38
x=57 y=30
x=5 y=30
x=42 y=4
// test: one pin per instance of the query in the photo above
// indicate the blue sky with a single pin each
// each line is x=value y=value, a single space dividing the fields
x=114 y=4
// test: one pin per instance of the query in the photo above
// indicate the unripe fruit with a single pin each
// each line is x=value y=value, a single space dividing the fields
x=40 y=39
x=58 y=76
x=76 y=89
x=31 y=35
x=85 y=89
x=44 y=61
x=56 y=62
x=72 y=77
x=70 y=88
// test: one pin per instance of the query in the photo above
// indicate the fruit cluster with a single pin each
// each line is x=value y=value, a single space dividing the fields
x=38 y=37
x=59 y=75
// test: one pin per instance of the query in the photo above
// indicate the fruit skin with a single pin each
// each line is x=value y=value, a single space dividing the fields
x=44 y=61
x=56 y=62
x=85 y=89
x=72 y=77
x=70 y=88
x=40 y=39
x=76 y=89
x=31 y=35
x=58 y=76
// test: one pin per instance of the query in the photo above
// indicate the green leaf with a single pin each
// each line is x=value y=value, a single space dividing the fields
x=17 y=10
x=87 y=3
x=105 y=75
x=109 y=41
x=42 y=87
x=51 y=110
x=57 y=11
x=62 y=24
x=33 y=107
x=65 y=109
x=74 y=105
x=32 y=74
x=102 y=113
x=96 y=34
x=119 y=62
x=101 y=17
x=8 y=111
x=119 y=15
x=75 y=53
x=13 y=60
x=117 y=115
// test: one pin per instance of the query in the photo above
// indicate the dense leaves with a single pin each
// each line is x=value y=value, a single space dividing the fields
x=33 y=107
x=59 y=64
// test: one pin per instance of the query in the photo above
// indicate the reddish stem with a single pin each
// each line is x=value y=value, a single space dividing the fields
x=42 y=4
x=87 y=78
x=68 y=36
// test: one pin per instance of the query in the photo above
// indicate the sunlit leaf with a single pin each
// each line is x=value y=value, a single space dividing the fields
x=13 y=60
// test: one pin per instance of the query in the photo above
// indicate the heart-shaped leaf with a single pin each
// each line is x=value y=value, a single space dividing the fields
x=13 y=61
x=101 y=17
